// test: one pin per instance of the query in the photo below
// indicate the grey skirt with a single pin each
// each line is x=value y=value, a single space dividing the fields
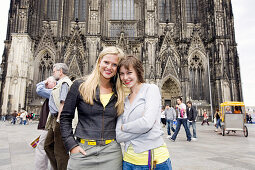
x=97 y=157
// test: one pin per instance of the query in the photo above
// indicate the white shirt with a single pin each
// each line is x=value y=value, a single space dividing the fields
x=163 y=114
x=182 y=106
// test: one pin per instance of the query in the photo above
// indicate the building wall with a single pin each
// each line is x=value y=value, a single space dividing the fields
x=184 y=48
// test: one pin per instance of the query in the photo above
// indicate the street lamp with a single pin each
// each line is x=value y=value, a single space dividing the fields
x=210 y=88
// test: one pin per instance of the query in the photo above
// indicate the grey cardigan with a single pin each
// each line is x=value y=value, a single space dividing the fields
x=141 y=120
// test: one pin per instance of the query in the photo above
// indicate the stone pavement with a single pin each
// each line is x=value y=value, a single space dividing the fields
x=211 y=151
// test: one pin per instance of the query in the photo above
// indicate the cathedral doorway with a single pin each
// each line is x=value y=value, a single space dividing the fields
x=170 y=90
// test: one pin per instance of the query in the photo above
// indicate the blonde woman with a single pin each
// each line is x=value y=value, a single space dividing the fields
x=99 y=101
x=139 y=126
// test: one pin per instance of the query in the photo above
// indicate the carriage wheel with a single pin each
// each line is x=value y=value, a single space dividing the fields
x=245 y=131
x=223 y=130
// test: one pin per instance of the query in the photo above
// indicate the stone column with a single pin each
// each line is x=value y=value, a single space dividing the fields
x=19 y=65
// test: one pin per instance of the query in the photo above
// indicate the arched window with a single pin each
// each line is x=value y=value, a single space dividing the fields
x=52 y=9
x=122 y=10
x=196 y=78
x=164 y=8
x=191 y=11
x=45 y=67
x=80 y=9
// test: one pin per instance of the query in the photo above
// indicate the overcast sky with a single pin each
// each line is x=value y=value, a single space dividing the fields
x=245 y=38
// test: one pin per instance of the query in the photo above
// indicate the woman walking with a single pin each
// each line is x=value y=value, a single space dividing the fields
x=99 y=101
x=217 y=117
x=205 y=118
x=139 y=126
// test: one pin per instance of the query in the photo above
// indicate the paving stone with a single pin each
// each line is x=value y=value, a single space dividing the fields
x=211 y=151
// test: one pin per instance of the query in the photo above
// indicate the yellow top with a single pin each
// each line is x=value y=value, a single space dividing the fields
x=161 y=154
x=104 y=98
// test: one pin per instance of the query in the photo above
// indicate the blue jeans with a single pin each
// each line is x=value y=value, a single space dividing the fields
x=3 y=118
x=21 y=121
x=163 y=166
x=193 y=123
x=14 y=120
x=170 y=126
x=218 y=123
x=178 y=126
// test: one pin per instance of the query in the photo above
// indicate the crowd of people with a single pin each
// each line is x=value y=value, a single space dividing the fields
x=185 y=115
x=22 y=117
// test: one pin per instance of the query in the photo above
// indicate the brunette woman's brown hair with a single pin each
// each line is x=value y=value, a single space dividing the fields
x=132 y=61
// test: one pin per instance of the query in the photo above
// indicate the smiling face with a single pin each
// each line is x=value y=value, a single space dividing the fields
x=108 y=66
x=129 y=76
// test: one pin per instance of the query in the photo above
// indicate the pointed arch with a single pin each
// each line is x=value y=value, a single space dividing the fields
x=170 y=62
x=198 y=75
x=75 y=56
x=46 y=42
x=168 y=57
x=45 y=55
x=170 y=89
x=44 y=62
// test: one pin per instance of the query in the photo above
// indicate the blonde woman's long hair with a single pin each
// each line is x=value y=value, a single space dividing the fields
x=88 y=88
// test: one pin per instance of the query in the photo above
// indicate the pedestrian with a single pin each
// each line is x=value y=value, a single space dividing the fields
x=23 y=117
x=217 y=116
x=99 y=99
x=163 y=116
x=205 y=119
x=139 y=126
x=3 y=117
x=44 y=90
x=228 y=110
x=28 y=119
x=31 y=116
x=14 y=117
x=181 y=120
x=237 y=110
x=53 y=144
x=20 y=118
x=170 y=118
x=192 y=117
x=249 y=119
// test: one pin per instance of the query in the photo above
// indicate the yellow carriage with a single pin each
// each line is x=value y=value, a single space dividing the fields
x=233 y=116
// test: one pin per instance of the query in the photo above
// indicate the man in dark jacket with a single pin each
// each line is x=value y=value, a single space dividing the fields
x=192 y=115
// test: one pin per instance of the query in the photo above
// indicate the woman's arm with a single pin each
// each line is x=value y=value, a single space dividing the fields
x=67 y=116
x=122 y=136
x=151 y=113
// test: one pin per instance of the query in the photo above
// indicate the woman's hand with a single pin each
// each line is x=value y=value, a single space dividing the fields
x=77 y=149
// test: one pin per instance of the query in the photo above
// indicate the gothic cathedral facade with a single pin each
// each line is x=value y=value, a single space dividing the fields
x=188 y=47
